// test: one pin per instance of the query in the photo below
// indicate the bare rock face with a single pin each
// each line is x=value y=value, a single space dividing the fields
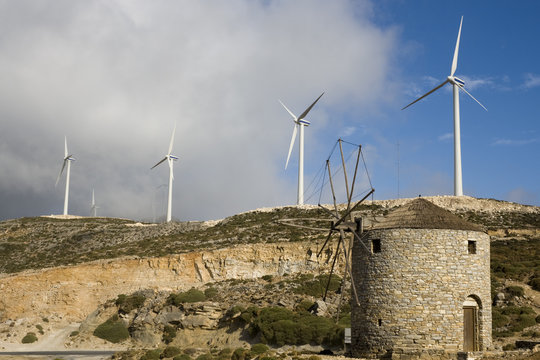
x=169 y=315
x=73 y=292
x=205 y=315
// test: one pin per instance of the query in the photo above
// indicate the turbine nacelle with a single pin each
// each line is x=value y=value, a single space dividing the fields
x=454 y=80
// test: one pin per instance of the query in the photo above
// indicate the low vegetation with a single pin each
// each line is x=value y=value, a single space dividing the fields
x=281 y=326
x=128 y=303
x=113 y=330
x=29 y=338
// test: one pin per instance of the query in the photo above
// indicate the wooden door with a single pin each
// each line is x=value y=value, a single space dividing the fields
x=469 y=329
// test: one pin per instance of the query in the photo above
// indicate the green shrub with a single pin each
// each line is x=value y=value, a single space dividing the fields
x=258 y=349
x=509 y=347
x=280 y=326
x=535 y=283
x=151 y=355
x=304 y=305
x=522 y=322
x=317 y=286
x=516 y=310
x=224 y=354
x=498 y=319
x=515 y=291
x=40 y=329
x=248 y=314
x=240 y=354
x=205 y=357
x=74 y=333
x=191 y=296
x=128 y=303
x=170 y=351
x=112 y=330
x=345 y=320
x=182 y=357
x=29 y=338
x=210 y=293
x=268 y=278
x=169 y=333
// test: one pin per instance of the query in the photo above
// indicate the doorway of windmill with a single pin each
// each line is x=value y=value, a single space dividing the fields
x=470 y=325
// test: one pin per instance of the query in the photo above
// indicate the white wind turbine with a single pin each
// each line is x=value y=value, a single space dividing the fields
x=299 y=122
x=170 y=158
x=93 y=207
x=67 y=160
x=457 y=85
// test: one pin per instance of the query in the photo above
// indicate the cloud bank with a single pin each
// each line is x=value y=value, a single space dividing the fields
x=115 y=76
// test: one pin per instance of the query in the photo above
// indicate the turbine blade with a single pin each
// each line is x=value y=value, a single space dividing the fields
x=93 y=199
x=466 y=92
x=309 y=108
x=65 y=147
x=60 y=173
x=426 y=94
x=162 y=160
x=172 y=140
x=454 y=61
x=289 y=111
x=292 y=144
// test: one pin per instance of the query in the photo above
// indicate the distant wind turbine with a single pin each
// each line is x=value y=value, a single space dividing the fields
x=457 y=85
x=299 y=122
x=170 y=158
x=93 y=207
x=67 y=160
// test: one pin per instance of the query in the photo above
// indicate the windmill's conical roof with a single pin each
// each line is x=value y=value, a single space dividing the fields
x=422 y=214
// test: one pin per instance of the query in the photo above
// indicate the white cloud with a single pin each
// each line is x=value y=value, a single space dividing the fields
x=114 y=77
x=348 y=131
x=514 y=142
x=445 y=137
x=531 y=80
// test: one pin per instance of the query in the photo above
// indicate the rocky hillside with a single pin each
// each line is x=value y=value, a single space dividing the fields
x=78 y=274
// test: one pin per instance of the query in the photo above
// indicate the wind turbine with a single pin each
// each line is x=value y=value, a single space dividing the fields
x=93 y=207
x=170 y=158
x=67 y=160
x=457 y=85
x=299 y=122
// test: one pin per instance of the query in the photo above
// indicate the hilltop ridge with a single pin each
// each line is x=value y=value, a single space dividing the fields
x=70 y=270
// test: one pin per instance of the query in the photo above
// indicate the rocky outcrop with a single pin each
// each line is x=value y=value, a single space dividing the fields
x=73 y=292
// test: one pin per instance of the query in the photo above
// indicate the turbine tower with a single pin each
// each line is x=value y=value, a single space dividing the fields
x=457 y=85
x=93 y=207
x=299 y=122
x=170 y=158
x=67 y=160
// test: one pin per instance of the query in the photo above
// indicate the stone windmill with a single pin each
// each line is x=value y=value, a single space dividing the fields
x=423 y=280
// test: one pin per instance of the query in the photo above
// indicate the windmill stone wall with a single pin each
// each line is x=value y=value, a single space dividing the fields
x=415 y=272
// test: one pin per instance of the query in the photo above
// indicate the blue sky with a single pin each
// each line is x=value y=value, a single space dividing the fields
x=114 y=77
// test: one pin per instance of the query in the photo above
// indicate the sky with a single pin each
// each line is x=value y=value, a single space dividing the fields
x=115 y=76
